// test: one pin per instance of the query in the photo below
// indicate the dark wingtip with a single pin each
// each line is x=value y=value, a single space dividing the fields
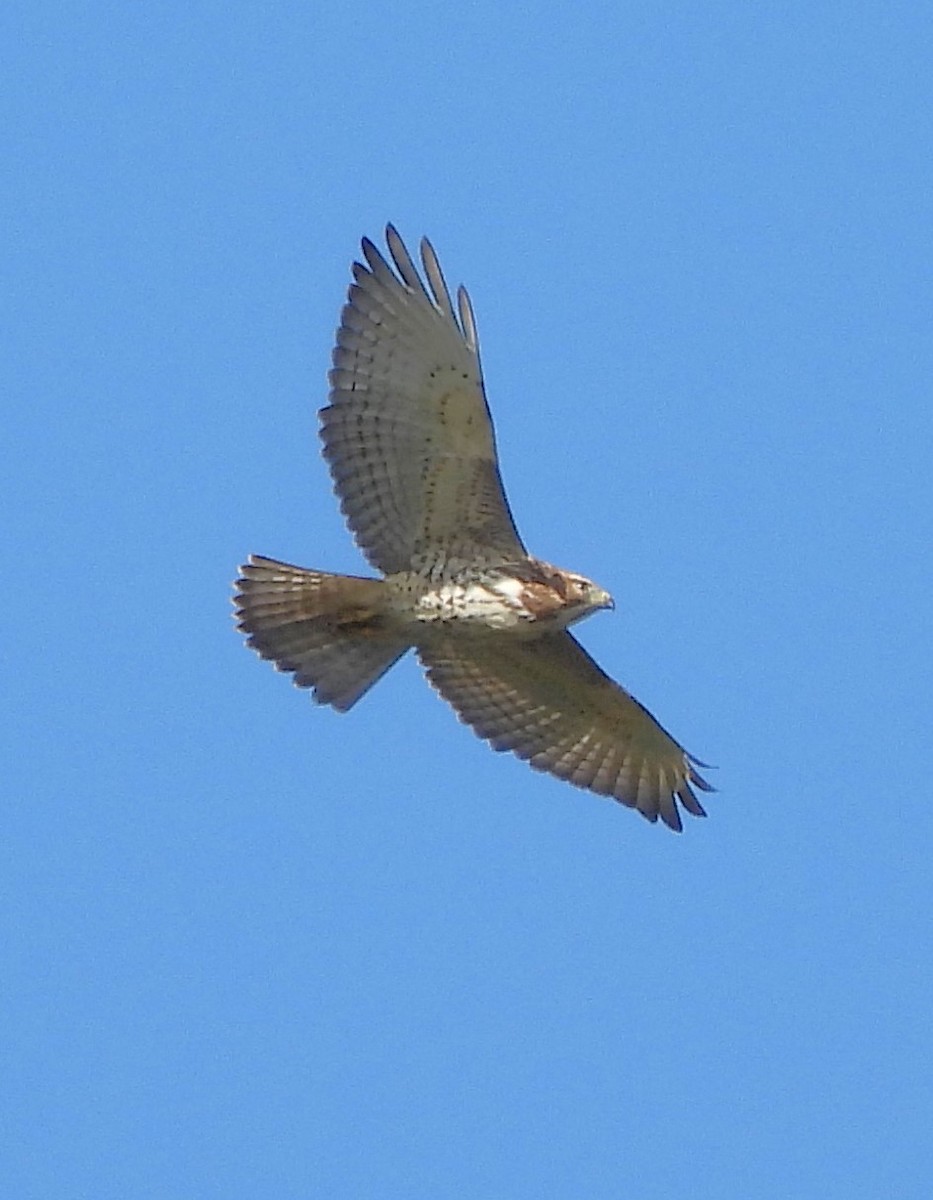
x=694 y=775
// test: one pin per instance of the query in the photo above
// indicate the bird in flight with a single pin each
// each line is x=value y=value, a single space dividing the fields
x=409 y=439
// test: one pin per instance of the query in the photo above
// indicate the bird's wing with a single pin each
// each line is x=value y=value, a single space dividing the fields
x=548 y=702
x=407 y=433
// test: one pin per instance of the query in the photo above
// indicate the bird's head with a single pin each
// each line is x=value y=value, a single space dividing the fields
x=600 y=598
x=583 y=596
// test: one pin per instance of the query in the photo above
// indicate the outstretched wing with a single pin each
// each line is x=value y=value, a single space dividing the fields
x=407 y=433
x=548 y=702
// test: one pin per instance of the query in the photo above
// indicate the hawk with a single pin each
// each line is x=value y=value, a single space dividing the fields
x=409 y=439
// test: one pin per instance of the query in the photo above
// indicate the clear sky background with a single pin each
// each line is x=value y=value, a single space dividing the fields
x=252 y=948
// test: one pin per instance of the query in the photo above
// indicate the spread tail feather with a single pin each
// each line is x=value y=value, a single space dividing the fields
x=328 y=630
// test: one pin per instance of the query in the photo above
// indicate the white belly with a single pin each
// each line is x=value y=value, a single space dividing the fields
x=496 y=607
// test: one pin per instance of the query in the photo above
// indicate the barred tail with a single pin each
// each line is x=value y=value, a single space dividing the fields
x=329 y=630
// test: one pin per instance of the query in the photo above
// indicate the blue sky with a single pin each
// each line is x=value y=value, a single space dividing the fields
x=253 y=948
